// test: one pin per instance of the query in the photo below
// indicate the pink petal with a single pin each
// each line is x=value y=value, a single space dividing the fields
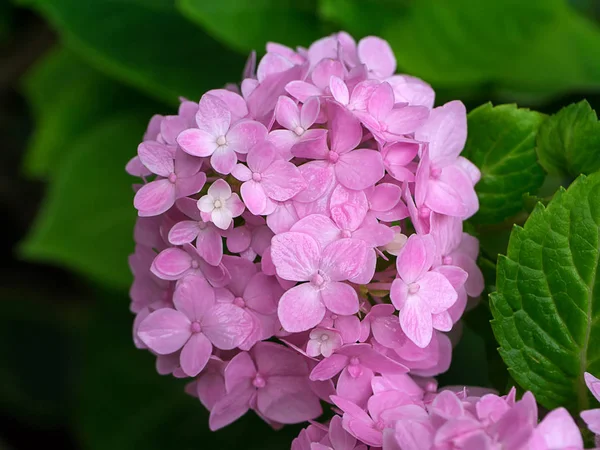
x=283 y=217
x=360 y=169
x=231 y=407
x=310 y=112
x=136 y=168
x=245 y=134
x=235 y=205
x=197 y=142
x=340 y=298
x=302 y=90
x=254 y=197
x=381 y=102
x=374 y=234
x=296 y=256
x=377 y=55
x=261 y=156
x=300 y=308
x=340 y=438
x=324 y=70
x=235 y=103
x=189 y=207
x=287 y=400
x=241 y=172
x=271 y=64
x=319 y=227
x=240 y=370
x=283 y=140
x=416 y=257
x=223 y=159
x=412 y=90
x=442 y=321
x=436 y=290
x=592 y=419
x=329 y=367
x=311 y=145
x=319 y=179
x=593 y=384
x=282 y=181
x=446 y=132
x=287 y=113
x=348 y=208
x=213 y=115
x=416 y=321
x=210 y=245
x=345 y=130
x=349 y=328
x=410 y=435
x=227 y=325
x=165 y=331
x=275 y=359
x=154 y=198
x=183 y=232
x=156 y=157
x=367 y=271
x=186 y=186
x=357 y=389
x=559 y=430
x=186 y=165
x=387 y=331
x=262 y=293
x=194 y=297
x=195 y=354
x=343 y=259
x=239 y=239
x=171 y=264
x=339 y=90
x=406 y=119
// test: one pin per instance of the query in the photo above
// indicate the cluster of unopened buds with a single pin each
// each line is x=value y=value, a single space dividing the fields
x=300 y=243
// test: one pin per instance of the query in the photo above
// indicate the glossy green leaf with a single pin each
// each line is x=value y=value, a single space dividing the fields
x=247 y=25
x=568 y=143
x=147 y=44
x=68 y=98
x=501 y=143
x=547 y=304
x=512 y=43
x=86 y=222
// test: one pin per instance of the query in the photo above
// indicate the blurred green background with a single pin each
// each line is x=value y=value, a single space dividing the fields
x=78 y=83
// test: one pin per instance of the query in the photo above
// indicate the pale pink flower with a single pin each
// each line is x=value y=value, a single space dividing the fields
x=195 y=325
x=220 y=204
x=299 y=257
x=216 y=135
x=592 y=417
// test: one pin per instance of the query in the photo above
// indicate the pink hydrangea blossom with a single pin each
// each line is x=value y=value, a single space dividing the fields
x=300 y=242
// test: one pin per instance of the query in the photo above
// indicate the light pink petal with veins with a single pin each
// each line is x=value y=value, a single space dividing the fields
x=309 y=112
x=287 y=400
x=300 y=308
x=171 y=264
x=231 y=407
x=319 y=227
x=227 y=326
x=155 y=198
x=254 y=196
x=319 y=180
x=223 y=160
x=412 y=91
x=156 y=157
x=592 y=419
x=195 y=354
x=340 y=298
x=348 y=208
x=210 y=245
x=296 y=256
x=416 y=321
x=221 y=217
x=377 y=55
x=436 y=290
x=187 y=186
x=235 y=103
x=197 y=142
x=282 y=181
x=406 y=119
x=324 y=70
x=302 y=90
x=560 y=431
x=357 y=389
x=270 y=64
x=193 y=296
x=287 y=113
x=416 y=257
x=359 y=169
x=165 y=331
x=343 y=259
x=345 y=130
x=312 y=145
x=213 y=115
x=245 y=134
x=339 y=90
x=241 y=172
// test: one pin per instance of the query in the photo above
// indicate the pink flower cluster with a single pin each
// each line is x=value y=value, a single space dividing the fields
x=300 y=240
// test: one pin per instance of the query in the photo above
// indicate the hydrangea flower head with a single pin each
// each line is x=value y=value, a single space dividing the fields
x=300 y=243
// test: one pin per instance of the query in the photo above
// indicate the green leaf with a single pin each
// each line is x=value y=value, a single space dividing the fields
x=68 y=98
x=501 y=143
x=247 y=25
x=511 y=43
x=86 y=222
x=568 y=143
x=547 y=305
x=123 y=404
x=363 y=17
x=147 y=44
